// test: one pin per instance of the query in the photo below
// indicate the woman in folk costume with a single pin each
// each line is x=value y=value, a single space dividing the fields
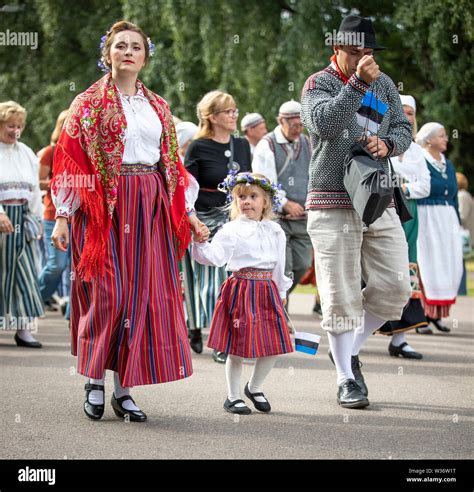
x=412 y=170
x=117 y=173
x=20 y=216
x=439 y=236
x=249 y=320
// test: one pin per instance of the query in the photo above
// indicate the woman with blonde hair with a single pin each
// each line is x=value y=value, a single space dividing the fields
x=210 y=156
x=119 y=178
x=57 y=261
x=439 y=239
x=20 y=219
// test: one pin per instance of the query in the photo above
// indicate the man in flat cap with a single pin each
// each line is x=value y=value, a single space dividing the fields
x=283 y=156
x=338 y=104
x=254 y=127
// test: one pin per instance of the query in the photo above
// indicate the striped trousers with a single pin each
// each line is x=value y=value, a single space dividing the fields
x=20 y=298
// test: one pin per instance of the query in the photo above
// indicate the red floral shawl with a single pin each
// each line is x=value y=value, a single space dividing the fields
x=91 y=147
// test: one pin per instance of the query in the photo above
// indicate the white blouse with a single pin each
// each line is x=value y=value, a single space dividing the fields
x=143 y=133
x=19 y=176
x=142 y=146
x=246 y=243
x=411 y=166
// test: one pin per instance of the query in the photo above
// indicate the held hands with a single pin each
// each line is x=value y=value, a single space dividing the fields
x=376 y=147
x=293 y=209
x=367 y=69
x=199 y=229
x=60 y=234
x=6 y=226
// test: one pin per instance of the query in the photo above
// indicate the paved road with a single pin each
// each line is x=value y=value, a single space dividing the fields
x=419 y=409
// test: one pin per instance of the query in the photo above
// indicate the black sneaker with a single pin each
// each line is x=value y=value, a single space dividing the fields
x=219 y=357
x=355 y=366
x=349 y=395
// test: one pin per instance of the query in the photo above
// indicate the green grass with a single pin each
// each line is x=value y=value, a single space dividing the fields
x=310 y=289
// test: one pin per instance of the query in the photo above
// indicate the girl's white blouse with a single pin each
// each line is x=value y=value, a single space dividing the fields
x=246 y=243
x=142 y=146
x=19 y=176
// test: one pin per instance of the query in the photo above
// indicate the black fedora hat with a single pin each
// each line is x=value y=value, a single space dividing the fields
x=357 y=31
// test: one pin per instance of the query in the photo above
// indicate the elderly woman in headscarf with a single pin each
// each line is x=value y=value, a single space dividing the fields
x=412 y=171
x=439 y=239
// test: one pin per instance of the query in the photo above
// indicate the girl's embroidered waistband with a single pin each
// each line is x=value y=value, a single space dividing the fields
x=253 y=274
x=137 y=169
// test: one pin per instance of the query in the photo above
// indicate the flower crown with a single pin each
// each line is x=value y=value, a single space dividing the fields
x=233 y=179
x=101 y=63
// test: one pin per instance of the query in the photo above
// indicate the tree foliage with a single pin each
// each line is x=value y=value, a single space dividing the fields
x=261 y=51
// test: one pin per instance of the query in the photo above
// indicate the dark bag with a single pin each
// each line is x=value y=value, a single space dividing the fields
x=367 y=183
x=401 y=205
x=400 y=202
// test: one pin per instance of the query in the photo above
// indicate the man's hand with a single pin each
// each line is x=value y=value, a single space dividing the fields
x=293 y=209
x=367 y=69
x=376 y=146
x=5 y=225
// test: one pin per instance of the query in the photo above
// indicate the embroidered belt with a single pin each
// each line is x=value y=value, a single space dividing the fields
x=137 y=169
x=253 y=274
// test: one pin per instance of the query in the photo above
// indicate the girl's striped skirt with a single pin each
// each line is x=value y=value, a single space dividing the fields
x=131 y=320
x=20 y=298
x=249 y=319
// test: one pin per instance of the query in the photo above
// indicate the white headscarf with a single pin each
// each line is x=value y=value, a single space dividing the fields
x=408 y=101
x=427 y=131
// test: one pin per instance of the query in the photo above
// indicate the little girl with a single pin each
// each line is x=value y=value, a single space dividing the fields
x=249 y=320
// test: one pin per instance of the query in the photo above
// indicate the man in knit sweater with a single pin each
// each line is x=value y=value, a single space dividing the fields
x=345 y=250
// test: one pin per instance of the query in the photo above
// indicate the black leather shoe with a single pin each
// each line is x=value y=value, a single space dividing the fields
x=134 y=415
x=424 y=330
x=349 y=395
x=195 y=340
x=23 y=343
x=356 y=364
x=94 y=412
x=438 y=325
x=220 y=357
x=259 y=405
x=396 y=351
x=230 y=407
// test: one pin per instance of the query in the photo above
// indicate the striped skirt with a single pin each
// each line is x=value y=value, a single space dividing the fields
x=131 y=320
x=249 y=319
x=20 y=298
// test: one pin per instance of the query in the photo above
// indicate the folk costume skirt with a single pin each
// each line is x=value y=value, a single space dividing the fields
x=20 y=298
x=249 y=319
x=131 y=320
x=413 y=315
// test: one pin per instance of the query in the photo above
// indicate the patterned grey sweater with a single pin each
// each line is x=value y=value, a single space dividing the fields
x=329 y=107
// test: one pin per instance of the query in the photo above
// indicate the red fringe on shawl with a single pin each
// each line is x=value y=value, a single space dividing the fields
x=92 y=203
